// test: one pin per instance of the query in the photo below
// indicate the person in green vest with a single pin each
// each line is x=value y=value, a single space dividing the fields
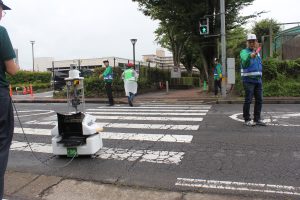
x=7 y=66
x=217 y=76
x=107 y=75
x=130 y=77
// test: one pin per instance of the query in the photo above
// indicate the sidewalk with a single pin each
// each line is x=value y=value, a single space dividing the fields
x=190 y=95
x=26 y=186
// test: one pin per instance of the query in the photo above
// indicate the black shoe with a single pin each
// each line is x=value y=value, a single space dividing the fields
x=110 y=105
x=260 y=123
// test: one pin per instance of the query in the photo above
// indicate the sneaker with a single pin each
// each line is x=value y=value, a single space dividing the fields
x=260 y=123
x=249 y=123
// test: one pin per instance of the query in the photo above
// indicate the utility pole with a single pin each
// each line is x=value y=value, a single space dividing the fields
x=223 y=47
x=271 y=40
x=32 y=43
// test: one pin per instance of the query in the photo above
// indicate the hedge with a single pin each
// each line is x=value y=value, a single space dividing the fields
x=280 y=78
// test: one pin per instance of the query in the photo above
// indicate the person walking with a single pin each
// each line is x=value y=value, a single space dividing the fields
x=107 y=75
x=7 y=65
x=217 y=76
x=130 y=77
x=251 y=73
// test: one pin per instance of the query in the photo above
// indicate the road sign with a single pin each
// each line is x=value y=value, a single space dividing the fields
x=204 y=26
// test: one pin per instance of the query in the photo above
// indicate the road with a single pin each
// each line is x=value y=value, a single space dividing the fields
x=179 y=147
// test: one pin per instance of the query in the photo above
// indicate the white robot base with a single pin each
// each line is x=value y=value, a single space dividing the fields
x=76 y=134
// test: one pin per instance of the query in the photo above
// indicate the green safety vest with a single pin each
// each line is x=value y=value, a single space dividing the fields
x=129 y=75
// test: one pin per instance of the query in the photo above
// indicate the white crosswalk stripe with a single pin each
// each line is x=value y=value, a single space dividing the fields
x=146 y=113
x=149 y=123
x=119 y=136
x=163 y=157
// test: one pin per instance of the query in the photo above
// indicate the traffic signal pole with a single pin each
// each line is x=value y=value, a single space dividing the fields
x=223 y=47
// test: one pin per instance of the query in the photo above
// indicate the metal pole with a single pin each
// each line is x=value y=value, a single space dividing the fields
x=271 y=40
x=53 y=75
x=134 y=56
x=32 y=43
x=223 y=46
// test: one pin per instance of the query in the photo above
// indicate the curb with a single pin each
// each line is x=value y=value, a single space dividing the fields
x=205 y=100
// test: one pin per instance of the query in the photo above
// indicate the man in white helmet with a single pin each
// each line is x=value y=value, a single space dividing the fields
x=251 y=72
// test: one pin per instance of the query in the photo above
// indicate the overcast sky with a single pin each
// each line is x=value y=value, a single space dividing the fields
x=72 y=29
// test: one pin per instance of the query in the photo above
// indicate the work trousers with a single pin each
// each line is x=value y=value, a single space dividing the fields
x=6 y=132
x=252 y=89
x=218 y=84
x=109 y=93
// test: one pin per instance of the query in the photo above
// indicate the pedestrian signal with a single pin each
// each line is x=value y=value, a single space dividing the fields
x=204 y=26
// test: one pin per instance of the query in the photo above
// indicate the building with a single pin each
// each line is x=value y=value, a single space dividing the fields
x=43 y=63
x=159 y=59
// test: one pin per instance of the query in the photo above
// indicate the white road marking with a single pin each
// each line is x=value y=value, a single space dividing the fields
x=125 y=109
x=238 y=186
x=128 y=125
x=36 y=122
x=161 y=157
x=146 y=113
x=32 y=112
x=147 y=137
x=276 y=116
x=166 y=107
x=150 y=126
x=188 y=119
x=119 y=136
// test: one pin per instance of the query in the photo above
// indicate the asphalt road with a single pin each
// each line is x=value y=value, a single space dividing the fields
x=180 y=147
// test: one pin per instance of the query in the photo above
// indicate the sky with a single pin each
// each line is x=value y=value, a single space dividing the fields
x=77 y=29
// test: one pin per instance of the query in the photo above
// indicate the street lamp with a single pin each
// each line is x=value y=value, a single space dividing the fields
x=32 y=43
x=133 y=41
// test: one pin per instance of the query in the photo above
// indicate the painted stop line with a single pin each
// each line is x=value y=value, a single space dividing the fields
x=291 y=119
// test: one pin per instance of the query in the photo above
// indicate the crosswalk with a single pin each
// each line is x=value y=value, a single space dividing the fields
x=148 y=133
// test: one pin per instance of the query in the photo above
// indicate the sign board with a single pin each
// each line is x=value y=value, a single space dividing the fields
x=175 y=72
x=231 y=70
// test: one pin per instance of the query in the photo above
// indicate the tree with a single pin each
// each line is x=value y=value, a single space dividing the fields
x=262 y=28
x=179 y=31
x=236 y=41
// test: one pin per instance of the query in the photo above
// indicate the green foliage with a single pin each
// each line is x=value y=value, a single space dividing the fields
x=38 y=80
x=185 y=81
x=148 y=79
x=262 y=28
x=282 y=87
x=235 y=42
x=178 y=30
x=280 y=78
x=27 y=77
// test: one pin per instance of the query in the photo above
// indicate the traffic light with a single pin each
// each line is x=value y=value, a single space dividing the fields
x=204 y=26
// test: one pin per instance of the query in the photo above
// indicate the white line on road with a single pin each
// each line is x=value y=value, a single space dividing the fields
x=129 y=125
x=238 y=186
x=189 y=119
x=166 y=107
x=119 y=136
x=32 y=112
x=161 y=157
x=125 y=109
x=146 y=113
x=273 y=120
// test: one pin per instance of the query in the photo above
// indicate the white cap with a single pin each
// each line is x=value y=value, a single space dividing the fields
x=251 y=37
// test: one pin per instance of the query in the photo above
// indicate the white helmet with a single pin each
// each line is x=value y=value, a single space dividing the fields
x=251 y=37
